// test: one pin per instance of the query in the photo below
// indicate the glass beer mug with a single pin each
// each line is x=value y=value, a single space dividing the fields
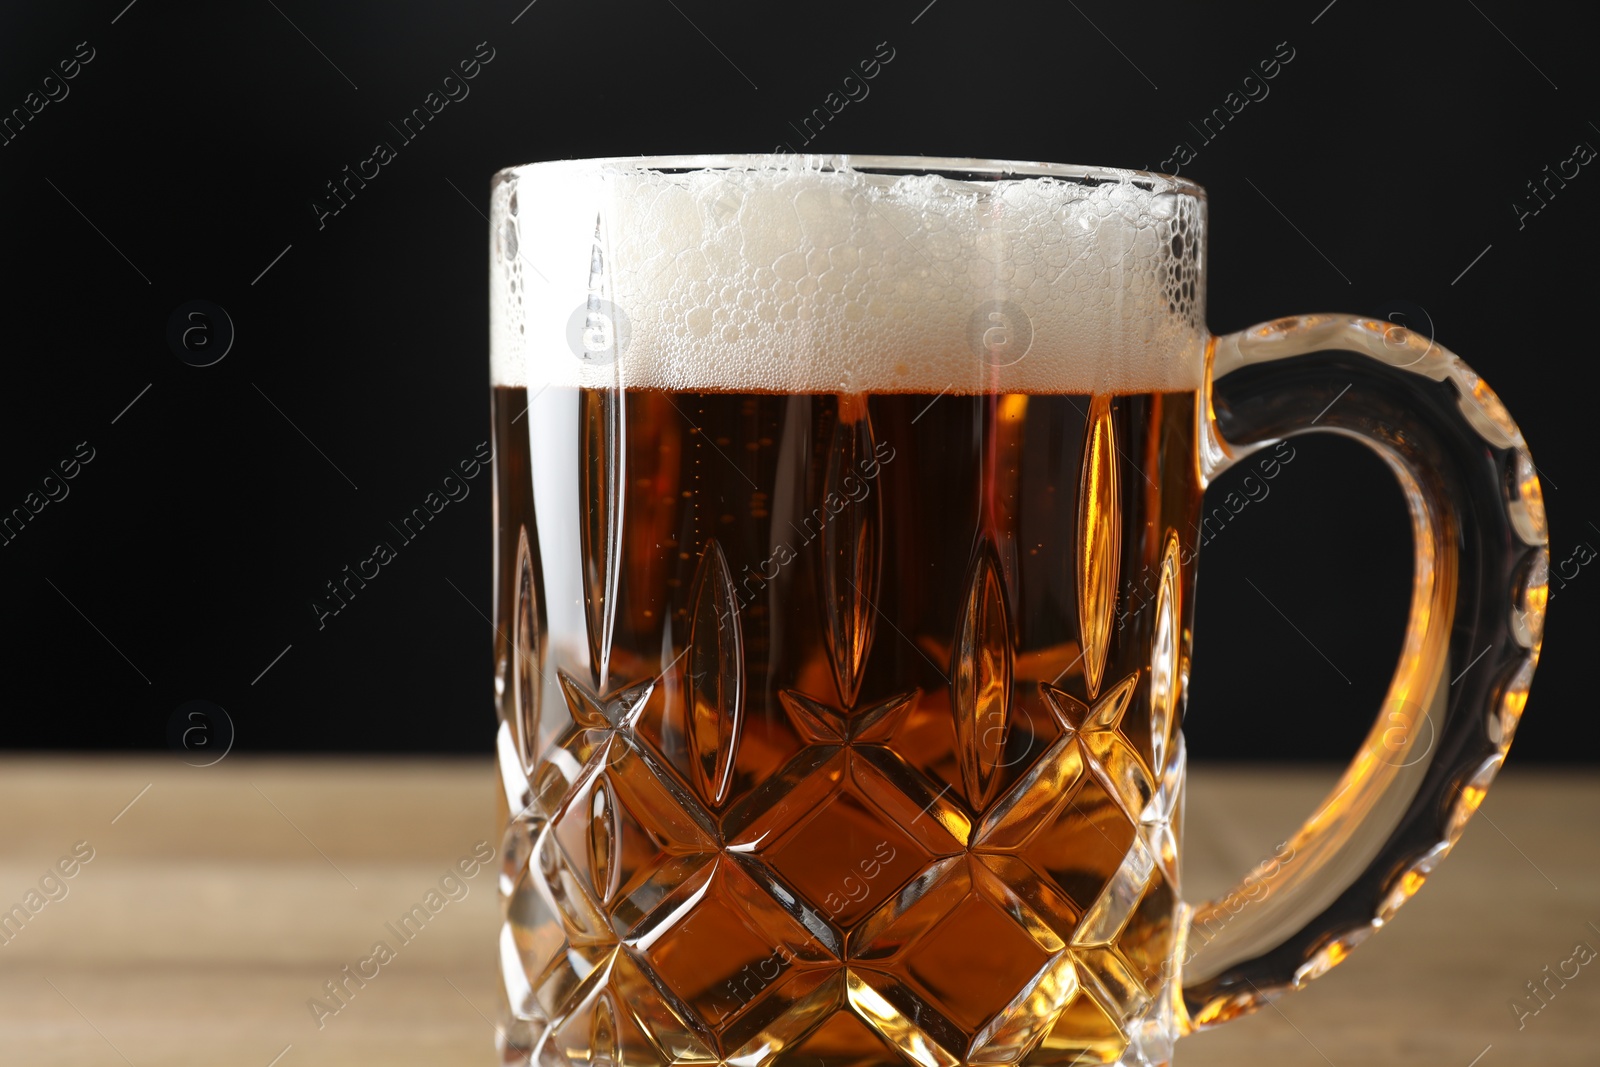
x=846 y=521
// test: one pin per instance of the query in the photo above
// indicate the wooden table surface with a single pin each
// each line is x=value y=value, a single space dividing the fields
x=220 y=901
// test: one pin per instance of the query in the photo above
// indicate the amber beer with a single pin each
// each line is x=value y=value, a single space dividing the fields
x=853 y=621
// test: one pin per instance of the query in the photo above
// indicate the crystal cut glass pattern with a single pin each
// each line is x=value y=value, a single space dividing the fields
x=645 y=928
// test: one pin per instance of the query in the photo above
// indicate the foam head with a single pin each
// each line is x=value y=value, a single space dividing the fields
x=825 y=274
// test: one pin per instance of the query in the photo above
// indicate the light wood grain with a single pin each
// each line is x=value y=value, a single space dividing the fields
x=224 y=898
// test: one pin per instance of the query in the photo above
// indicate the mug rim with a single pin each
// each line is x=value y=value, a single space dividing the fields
x=960 y=167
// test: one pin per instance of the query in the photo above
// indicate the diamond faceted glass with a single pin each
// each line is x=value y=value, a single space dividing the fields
x=955 y=955
x=844 y=1040
x=976 y=937
x=721 y=943
x=1080 y=845
x=845 y=854
x=633 y=832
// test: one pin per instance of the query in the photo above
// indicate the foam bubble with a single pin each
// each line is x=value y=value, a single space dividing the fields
x=808 y=274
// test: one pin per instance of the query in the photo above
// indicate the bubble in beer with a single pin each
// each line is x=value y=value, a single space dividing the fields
x=200 y=733
x=200 y=333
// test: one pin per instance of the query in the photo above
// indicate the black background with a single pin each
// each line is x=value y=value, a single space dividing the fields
x=1381 y=166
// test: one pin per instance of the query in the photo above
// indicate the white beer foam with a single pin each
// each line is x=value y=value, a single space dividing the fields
x=803 y=274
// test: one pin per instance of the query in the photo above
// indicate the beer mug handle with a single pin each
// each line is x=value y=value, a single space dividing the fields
x=1471 y=643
